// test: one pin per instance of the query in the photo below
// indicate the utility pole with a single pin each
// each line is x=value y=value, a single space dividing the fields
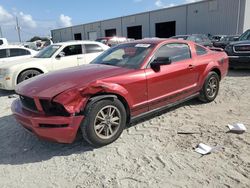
x=18 y=28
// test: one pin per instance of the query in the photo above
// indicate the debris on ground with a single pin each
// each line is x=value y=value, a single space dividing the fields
x=205 y=149
x=237 y=128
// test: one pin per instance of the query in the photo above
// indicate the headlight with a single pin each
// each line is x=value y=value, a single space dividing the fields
x=53 y=108
x=4 y=71
x=229 y=48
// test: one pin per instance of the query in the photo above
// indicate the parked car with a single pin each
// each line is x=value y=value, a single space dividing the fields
x=239 y=52
x=126 y=82
x=11 y=53
x=224 y=41
x=201 y=39
x=30 y=45
x=54 y=57
x=216 y=38
x=111 y=41
x=3 y=41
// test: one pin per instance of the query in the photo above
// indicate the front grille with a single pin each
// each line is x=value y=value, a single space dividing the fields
x=28 y=103
x=242 y=49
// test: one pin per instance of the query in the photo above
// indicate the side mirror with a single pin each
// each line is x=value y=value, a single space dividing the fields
x=61 y=54
x=159 y=61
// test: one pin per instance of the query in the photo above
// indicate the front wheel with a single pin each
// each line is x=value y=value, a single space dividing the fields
x=210 y=88
x=104 y=122
x=27 y=75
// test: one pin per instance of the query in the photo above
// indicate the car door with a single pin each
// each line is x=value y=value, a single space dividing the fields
x=91 y=52
x=174 y=81
x=17 y=53
x=68 y=58
x=3 y=55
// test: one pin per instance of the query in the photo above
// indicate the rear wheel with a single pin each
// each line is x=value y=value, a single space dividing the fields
x=210 y=88
x=27 y=75
x=104 y=122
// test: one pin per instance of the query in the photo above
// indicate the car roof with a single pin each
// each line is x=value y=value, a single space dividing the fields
x=111 y=37
x=77 y=42
x=159 y=41
x=13 y=46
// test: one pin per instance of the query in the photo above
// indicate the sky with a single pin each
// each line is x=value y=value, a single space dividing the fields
x=38 y=17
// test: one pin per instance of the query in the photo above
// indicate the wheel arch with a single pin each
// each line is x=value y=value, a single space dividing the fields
x=100 y=96
x=209 y=69
x=217 y=71
x=20 y=72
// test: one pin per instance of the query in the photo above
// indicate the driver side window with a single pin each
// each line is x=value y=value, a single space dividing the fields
x=174 y=51
x=72 y=50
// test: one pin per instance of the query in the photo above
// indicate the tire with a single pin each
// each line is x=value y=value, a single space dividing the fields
x=210 y=88
x=98 y=124
x=27 y=75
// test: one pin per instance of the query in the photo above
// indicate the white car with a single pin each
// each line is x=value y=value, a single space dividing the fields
x=3 y=41
x=54 y=57
x=13 y=52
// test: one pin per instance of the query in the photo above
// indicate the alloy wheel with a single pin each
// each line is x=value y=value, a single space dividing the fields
x=107 y=122
x=212 y=87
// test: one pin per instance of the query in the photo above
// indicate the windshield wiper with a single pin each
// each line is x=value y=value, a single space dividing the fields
x=107 y=63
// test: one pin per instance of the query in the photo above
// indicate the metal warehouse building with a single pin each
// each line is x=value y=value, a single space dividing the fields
x=208 y=17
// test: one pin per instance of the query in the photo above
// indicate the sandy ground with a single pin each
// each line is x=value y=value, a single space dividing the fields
x=150 y=153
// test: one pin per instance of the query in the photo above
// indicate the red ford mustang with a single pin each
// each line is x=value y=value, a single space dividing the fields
x=126 y=82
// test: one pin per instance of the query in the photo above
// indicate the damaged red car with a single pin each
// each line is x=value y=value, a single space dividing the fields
x=124 y=83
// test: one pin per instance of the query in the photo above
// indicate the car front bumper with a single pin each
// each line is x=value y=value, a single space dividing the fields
x=239 y=61
x=53 y=128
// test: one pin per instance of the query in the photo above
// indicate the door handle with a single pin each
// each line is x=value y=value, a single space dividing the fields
x=191 y=66
x=79 y=57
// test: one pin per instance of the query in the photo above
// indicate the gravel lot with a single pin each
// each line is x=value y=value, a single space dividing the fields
x=150 y=153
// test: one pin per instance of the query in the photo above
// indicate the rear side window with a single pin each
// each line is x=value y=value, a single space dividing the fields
x=18 y=52
x=200 y=50
x=3 y=53
x=1 y=42
x=73 y=50
x=93 y=48
x=175 y=51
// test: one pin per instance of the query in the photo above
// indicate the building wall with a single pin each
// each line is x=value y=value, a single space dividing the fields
x=177 y=14
x=215 y=17
x=209 y=17
x=56 y=35
x=247 y=16
x=66 y=34
x=78 y=29
x=92 y=27
x=112 y=24
x=136 y=20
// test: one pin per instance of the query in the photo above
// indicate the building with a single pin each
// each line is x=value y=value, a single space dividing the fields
x=208 y=17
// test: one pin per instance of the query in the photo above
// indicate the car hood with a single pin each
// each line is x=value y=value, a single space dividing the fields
x=51 y=84
x=24 y=60
x=240 y=42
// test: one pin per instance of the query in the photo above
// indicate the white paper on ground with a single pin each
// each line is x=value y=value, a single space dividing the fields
x=203 y=149
x=238 y=127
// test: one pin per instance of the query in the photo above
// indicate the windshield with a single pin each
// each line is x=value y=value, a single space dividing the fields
x=245 y=36
x=48 y=51
x=125 y=55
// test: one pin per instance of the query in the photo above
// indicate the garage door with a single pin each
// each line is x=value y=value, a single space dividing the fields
x=92 y=35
